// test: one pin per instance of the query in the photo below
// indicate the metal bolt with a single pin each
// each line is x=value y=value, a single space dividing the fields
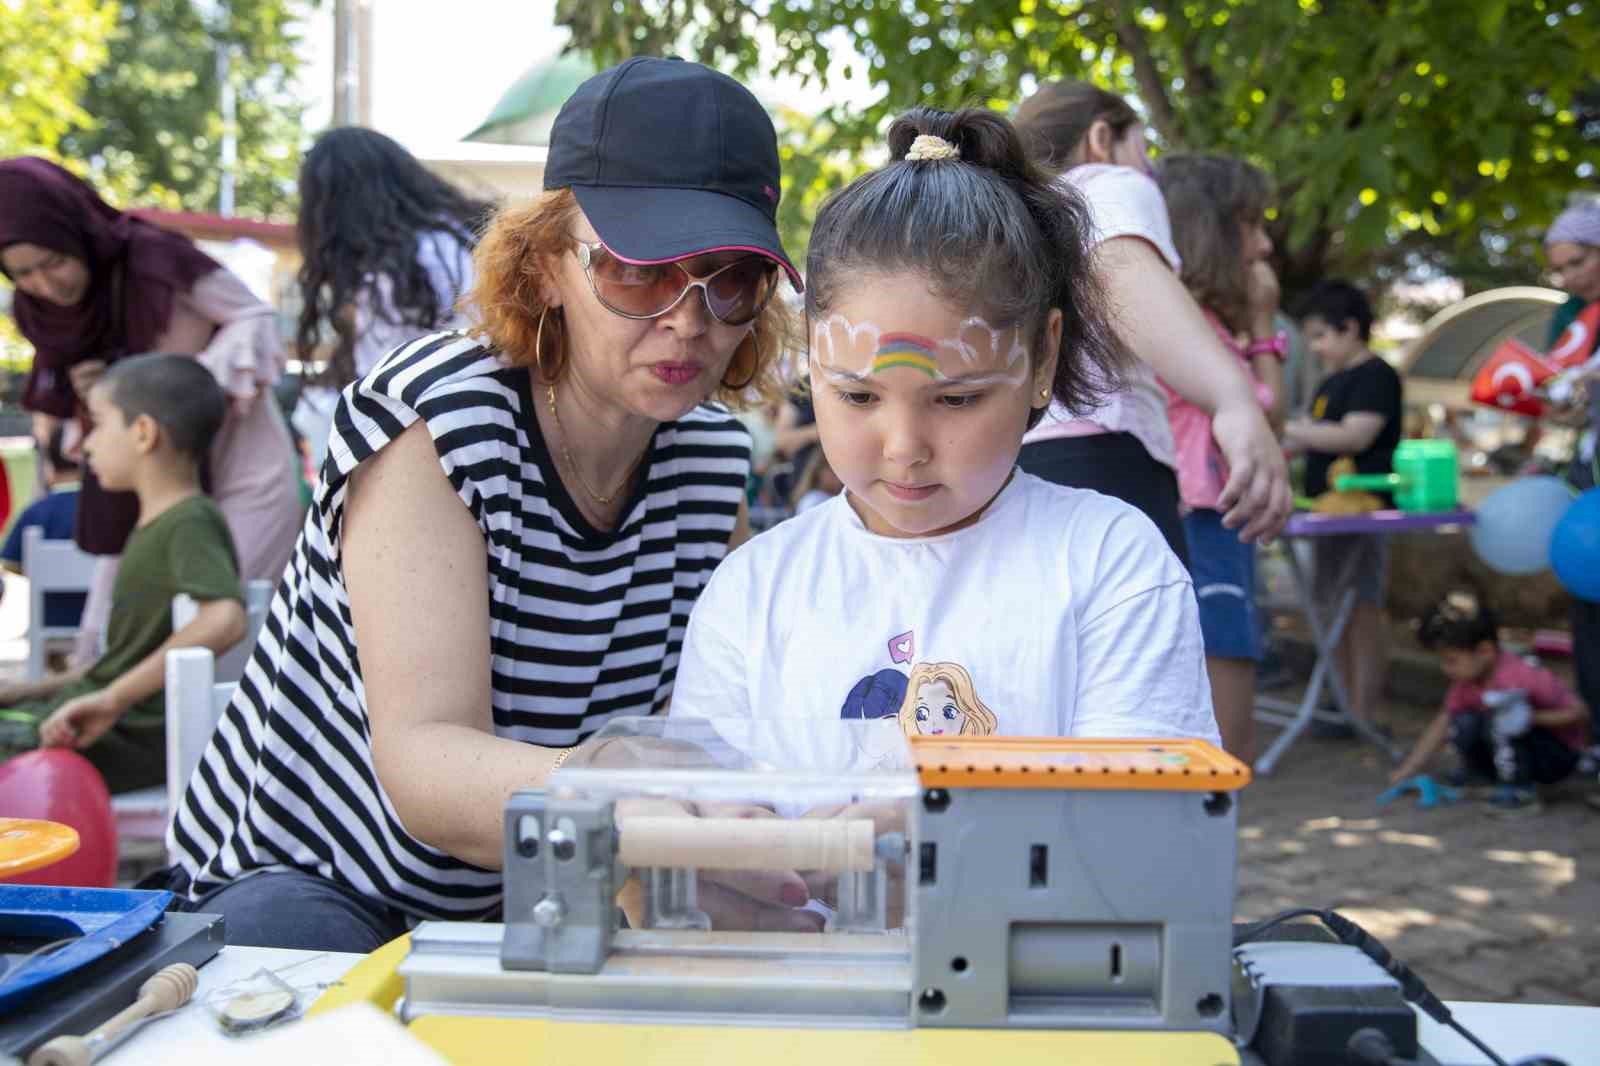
x=549 y=912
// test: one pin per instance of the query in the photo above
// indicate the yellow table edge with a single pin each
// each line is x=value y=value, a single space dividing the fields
x=468 y=1041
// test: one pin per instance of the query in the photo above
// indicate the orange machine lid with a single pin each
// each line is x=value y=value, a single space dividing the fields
x=1181 y=765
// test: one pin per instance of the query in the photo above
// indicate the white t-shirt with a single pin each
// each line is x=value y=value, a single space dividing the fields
x=1122 y=203
x=1060 y=612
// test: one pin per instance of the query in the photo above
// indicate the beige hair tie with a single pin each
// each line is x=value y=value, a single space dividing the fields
x=927 y=147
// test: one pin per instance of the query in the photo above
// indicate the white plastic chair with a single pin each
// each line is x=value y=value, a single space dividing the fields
x=257 y=599
x=50 y=566
x=195 y=699
x=194 y=706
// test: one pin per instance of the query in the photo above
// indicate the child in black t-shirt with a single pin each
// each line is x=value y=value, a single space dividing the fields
x=1355 y=412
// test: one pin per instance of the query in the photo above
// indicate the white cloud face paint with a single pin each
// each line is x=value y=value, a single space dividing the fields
x=848 y=351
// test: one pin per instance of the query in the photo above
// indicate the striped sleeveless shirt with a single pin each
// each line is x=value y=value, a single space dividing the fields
x=585 y=626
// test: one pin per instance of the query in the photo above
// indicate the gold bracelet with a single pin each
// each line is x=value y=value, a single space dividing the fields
x=561 y=758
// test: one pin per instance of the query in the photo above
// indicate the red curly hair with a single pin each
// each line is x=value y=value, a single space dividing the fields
x=511 y=263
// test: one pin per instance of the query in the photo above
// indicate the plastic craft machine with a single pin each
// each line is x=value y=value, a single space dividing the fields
x=1012 y=886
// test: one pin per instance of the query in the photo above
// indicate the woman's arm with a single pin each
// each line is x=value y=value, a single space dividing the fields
x=1161 y=323
x=245 y=352
x=416 y=568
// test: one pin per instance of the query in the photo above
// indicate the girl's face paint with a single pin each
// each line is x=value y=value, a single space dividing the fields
x=921 y=406
x=909 y=350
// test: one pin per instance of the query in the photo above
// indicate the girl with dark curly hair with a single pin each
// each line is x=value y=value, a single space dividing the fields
x=386 y=251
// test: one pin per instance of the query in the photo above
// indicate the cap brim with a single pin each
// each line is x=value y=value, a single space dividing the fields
x=656 y=225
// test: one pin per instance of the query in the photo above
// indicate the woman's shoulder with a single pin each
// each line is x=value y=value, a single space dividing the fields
x=444 y=361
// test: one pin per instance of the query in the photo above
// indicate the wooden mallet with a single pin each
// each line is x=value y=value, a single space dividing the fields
x=167 y=989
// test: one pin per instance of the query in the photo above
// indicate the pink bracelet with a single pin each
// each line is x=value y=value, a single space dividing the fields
x=1277 y=344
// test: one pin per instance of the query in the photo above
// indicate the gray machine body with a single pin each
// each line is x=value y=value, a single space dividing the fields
x=1027 y=908
x=1066 y=909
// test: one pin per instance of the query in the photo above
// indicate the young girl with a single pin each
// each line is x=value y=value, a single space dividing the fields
x=386 y=251
x=1095 y=143
x=950 y=301
x=1217 y=209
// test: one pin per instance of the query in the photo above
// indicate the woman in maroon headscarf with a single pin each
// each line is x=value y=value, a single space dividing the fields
x=94 y=285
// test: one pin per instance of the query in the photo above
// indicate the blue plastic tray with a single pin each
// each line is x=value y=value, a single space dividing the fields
x=103 y=919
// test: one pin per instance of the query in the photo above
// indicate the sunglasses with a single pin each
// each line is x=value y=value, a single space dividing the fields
x=735 y=294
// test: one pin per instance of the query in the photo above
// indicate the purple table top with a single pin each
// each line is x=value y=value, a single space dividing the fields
x=1307 y=524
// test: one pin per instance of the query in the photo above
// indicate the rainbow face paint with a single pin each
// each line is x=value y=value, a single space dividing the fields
x=846 y=350
x=908 y=350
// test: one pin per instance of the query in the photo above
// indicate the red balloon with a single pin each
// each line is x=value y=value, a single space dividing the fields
x=59 y=785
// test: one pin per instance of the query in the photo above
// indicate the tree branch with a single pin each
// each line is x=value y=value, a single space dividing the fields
x=1152 y=90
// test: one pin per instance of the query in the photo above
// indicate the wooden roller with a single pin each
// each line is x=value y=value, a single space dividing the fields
x=747 y=843
x=167 y=989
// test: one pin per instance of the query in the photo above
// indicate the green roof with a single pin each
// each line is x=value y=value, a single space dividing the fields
x=527 y=109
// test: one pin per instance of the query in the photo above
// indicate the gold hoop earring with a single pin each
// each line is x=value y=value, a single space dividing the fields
x=538 y=342
x=755 y=364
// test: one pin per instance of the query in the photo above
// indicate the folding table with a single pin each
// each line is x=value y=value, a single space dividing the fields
x=1326 y=631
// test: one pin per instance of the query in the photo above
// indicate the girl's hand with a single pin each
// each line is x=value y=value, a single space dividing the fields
x=1263 y=294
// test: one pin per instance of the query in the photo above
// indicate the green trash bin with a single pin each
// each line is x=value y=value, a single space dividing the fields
x=1424 y=478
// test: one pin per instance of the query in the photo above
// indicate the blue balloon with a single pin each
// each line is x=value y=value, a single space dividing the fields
x=1575 y=547
x=1513 y=524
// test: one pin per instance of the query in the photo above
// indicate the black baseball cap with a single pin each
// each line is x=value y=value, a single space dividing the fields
x=670 y=159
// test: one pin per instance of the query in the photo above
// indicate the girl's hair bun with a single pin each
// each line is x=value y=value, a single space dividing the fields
x=980 y=137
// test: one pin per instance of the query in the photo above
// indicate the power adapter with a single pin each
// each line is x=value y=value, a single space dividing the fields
x=1303 y=1003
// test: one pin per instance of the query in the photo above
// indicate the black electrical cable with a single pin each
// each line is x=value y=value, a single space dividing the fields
x=1250 y=932
x=1411 y=986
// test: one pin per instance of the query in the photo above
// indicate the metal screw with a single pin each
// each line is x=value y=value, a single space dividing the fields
x=549 y=912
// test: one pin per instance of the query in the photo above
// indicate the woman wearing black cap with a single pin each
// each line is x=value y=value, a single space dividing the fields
x=511 y=529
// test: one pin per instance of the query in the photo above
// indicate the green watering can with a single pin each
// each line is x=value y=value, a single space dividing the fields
x=1424 y=478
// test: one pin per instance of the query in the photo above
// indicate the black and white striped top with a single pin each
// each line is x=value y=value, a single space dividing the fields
x=584 y=626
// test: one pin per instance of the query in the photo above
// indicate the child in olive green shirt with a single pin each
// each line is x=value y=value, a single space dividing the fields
x=154 y=418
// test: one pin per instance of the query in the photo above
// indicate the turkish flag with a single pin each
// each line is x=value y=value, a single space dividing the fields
x=1507 y=381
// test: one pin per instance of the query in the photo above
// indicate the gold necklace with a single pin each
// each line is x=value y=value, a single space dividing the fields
x=566 y=453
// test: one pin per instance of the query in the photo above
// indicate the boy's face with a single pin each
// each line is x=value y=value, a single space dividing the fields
x=921 y=406
x=112 y=447
x=1335 y=348
x=1468 y=665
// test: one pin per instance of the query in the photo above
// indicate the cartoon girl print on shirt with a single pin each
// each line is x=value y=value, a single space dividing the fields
x=942 y=701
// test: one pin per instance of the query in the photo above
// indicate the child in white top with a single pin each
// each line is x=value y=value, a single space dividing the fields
x=950 y=301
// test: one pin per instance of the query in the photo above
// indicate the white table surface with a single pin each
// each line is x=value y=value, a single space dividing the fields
x=192 y=1029
x=1513 y=1030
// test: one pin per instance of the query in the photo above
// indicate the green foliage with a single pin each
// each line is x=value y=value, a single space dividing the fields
x=157 y=125
x=51 y=47
x=1401 y=134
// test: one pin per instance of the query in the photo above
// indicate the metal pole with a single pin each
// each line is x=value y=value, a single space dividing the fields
x=343 y=46
x=363 y=64
x=229 y=106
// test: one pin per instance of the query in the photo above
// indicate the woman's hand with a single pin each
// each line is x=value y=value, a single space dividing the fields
x=85 y=375
x=1256 y=499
